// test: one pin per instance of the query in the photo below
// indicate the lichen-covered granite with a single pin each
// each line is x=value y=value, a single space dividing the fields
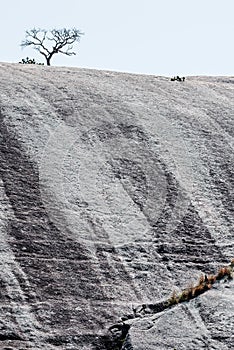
x=115 y=190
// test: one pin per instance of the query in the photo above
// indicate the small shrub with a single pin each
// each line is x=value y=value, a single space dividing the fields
x=28 y=60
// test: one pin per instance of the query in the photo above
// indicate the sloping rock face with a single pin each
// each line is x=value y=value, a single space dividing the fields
x=115 y=190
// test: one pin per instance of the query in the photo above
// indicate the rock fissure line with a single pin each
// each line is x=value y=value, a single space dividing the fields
x=120 y=331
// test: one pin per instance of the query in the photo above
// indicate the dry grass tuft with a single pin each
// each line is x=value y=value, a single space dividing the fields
x=224 y=272
x=174 y=299
x=205 y=283
x=211 y=279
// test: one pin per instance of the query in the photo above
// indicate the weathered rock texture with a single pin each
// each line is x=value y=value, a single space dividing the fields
x=115 y=190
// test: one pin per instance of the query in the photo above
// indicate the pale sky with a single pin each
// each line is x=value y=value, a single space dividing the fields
x=159 y=37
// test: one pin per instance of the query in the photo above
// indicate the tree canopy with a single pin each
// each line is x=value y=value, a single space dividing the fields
x=49 y=43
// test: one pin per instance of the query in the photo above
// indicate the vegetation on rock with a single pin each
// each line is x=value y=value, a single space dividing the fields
x=205 y=283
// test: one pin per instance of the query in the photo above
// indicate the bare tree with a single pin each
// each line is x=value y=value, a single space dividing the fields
x=48 y=43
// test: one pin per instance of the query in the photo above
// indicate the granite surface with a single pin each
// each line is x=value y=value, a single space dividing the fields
x=115 y=190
